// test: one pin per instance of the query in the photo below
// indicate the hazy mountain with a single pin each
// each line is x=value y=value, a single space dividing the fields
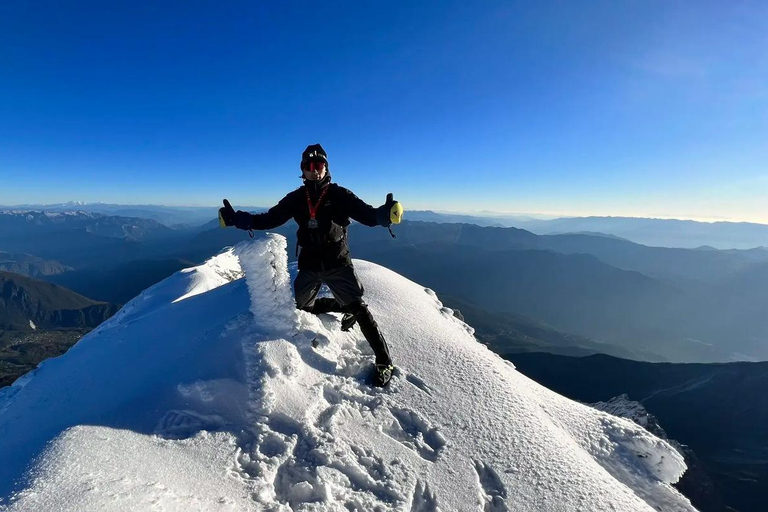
x=177 y=217
x=676 y=314
x=430 y=216
x=674 y=264
x=719 y=410
x=167 y=215
x=648 y=231
x=576 y=294
x=508 y=333
x=669 y=263
x=29 y=265
x=660 y=232
x=80 y=239
x=16 y=223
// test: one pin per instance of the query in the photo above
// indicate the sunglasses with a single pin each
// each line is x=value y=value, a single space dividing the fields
x=315 y=166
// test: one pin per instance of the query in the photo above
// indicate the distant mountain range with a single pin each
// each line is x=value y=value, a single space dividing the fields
x=81 y=239
x=177 y=217
x=645 y=302
x=687 y=234
x=660 y=232
x=719 y=410
x=16 y=224
x=679 y=304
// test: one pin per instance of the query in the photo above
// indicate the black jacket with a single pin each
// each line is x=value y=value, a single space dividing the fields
x=326 y=246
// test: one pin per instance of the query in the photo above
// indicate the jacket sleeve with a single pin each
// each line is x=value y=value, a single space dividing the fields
x=275 y=216
x=358 y=209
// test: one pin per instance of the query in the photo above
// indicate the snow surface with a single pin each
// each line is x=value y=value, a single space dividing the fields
x=623 y=407
x=209 y=392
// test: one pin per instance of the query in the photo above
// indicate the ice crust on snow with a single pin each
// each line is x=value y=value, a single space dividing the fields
x=231 y=399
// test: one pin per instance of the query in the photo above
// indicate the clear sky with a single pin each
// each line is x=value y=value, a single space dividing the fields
x=641 y=108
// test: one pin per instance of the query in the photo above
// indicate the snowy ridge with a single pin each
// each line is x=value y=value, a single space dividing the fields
x=249 y=404
x=623 y=407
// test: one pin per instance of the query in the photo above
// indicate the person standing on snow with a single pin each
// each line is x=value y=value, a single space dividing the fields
x=322 y=210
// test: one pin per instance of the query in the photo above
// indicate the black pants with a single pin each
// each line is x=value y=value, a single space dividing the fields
x=348 y=298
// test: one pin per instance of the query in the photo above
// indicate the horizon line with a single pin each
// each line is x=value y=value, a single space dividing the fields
x=542 y=216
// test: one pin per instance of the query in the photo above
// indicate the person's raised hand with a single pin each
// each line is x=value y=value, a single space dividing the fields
x=226 y=215
x=229 y=217
x=391 y=212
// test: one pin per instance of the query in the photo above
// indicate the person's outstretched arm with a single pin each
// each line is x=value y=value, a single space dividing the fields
x=274 y=217
x=366 y=214
x=359 y=210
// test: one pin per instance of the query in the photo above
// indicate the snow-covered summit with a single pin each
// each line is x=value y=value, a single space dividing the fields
x=210 y=392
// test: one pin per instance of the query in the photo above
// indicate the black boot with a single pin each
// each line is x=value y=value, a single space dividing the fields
x=370 y=329
x=348 y=321
x=383 y=375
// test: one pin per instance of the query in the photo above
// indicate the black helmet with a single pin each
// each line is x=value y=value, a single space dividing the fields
x=314 y=153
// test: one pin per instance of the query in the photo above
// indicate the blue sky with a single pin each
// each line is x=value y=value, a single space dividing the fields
x=642 y=108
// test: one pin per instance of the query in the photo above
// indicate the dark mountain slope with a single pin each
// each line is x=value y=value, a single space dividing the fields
x=39 y=320
x=124 y=281
x=46 y=305
x=719 y=410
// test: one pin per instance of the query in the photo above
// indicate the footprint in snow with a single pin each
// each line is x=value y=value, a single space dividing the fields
x=492 y=490
x=424 y=500
x=342 y=398
x=415 y=432
x=419 y=383
x=177 y=424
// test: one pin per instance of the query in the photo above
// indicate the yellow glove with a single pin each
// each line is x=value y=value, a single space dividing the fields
x=396 y=213
x=391 y=212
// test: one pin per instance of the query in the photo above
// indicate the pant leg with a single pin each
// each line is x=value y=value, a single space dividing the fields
x=344 y=284
x=306 y=286
x=348 y=290
x=305 y=289
x=326 y=305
